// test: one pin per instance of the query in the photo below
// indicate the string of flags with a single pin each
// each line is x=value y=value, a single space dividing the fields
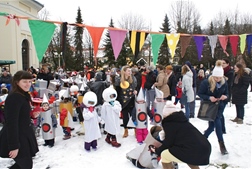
x=42 y=33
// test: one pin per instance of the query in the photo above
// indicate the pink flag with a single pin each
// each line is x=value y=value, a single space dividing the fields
x=117 y=38
x=223 y=41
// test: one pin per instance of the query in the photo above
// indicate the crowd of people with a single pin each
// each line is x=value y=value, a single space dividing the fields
x=121 y=90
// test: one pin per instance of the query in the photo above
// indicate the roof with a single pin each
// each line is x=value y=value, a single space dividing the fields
x=7 y=62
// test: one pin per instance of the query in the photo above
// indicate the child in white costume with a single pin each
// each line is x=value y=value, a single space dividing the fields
x=91 y=121
x=110 y=112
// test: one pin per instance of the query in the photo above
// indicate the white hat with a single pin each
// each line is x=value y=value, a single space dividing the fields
x=45 y=100
x=218 y=70
x=169 y=108
x=159 y=93
x=140 y=95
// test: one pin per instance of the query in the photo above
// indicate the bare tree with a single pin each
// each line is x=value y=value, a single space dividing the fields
x=43 y=14
x=185 y=13
x=131 y=21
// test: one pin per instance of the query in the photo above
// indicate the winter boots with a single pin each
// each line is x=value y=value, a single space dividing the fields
x=239 y=121
x=193 y=166
x=167 y=165
x=114 y=143
x=107 y=139
x=223 y=148
x=125 y=133
x=234 y=120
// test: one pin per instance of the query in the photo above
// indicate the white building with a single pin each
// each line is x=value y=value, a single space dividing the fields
x=16 y=44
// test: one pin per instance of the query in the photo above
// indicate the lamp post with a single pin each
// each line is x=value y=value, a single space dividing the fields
x=58 y=56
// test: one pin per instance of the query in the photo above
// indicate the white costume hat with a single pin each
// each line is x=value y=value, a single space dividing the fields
x=140 y=95
x=45 y=100
x=109 y=94
x=89 y=99
x=159 y=93
x=74 y=88
x=169 y=108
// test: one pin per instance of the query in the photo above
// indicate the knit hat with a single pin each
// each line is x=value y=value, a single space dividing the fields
x=169 y=108
x=218 y=70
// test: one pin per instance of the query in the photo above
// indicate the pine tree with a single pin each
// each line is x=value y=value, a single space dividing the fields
x=164 y=54
x=78 y=43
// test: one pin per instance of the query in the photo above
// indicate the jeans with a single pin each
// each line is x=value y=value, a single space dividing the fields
x=187 y=110
x=192 y=104
x=240 y=111
x=150 y=96
x=218 y=128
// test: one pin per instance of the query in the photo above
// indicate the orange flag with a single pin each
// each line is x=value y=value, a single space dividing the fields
x=95 y=33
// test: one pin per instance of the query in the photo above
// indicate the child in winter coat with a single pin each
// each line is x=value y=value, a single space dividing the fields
x=110 y=112
x=91 y=121
x=178 y=93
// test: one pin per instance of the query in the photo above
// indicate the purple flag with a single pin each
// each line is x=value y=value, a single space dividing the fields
x=117 y=38
x=199 y=40
x=249 y=42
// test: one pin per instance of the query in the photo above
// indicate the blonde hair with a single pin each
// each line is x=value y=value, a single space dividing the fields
x=212 y=82
x=123 y=78
x=201 y=71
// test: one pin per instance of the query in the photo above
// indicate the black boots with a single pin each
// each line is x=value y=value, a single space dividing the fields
x=223 y=148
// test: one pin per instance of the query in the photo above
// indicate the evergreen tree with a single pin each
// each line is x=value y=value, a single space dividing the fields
x=211 y=29
x=70 y=61
x=78 y=43
x=164 y=54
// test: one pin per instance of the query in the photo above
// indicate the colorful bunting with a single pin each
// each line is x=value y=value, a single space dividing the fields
x=157 y=40
x=212 y=42
x=42 y=33
x=117 y=38
x=242 y=42
x=136 y=41
x=184 y=42
x=249 y=42
x=234 y=39
x=199 y=40
x=172 y=41
x=223 y=41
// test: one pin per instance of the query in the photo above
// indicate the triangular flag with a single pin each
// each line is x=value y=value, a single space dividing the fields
x=243 y=42
x=184 y=42
x=137 y=41
x=117 y=38
x=199 y=41
x=249 y=42
x=95 y=33
x=223 y=42
x=172 y=41
x=212 y=42
x=42 y=33
x=234 y=40
x=156 y=41
x=140 y=96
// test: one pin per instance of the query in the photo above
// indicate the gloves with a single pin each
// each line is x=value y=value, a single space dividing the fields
x=135 y=123
x=112 y=103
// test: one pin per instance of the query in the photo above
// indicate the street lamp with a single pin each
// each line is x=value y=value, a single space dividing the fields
x=57 y=55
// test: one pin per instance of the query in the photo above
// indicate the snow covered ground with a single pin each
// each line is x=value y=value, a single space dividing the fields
x=71 y=154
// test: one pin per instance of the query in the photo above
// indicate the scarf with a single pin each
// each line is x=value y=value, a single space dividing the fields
x=226 y=69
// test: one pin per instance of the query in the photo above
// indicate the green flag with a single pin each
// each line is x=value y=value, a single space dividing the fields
x=243 y=42
x=157 y=40
x=42 y=33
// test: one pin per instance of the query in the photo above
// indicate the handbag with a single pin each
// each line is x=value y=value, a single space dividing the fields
x=183 y=99
x=208 y=110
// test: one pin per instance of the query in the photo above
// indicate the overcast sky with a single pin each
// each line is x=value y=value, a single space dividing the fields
x=99 y=12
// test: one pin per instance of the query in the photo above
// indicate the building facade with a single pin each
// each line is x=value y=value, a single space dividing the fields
x=16 y=42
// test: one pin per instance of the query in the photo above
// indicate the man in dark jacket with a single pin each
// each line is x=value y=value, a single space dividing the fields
x=229 y=74
x=192 y=104
x=138 y=77
x=149 y=91
x=171 y=81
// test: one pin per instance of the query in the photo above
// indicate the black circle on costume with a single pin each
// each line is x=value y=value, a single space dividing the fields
x=142 y=116
x=46 y=127
x=157 y=118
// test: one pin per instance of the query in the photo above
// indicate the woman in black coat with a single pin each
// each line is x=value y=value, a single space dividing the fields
x=17 y=139
x=240 y=91
x=183 y=142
